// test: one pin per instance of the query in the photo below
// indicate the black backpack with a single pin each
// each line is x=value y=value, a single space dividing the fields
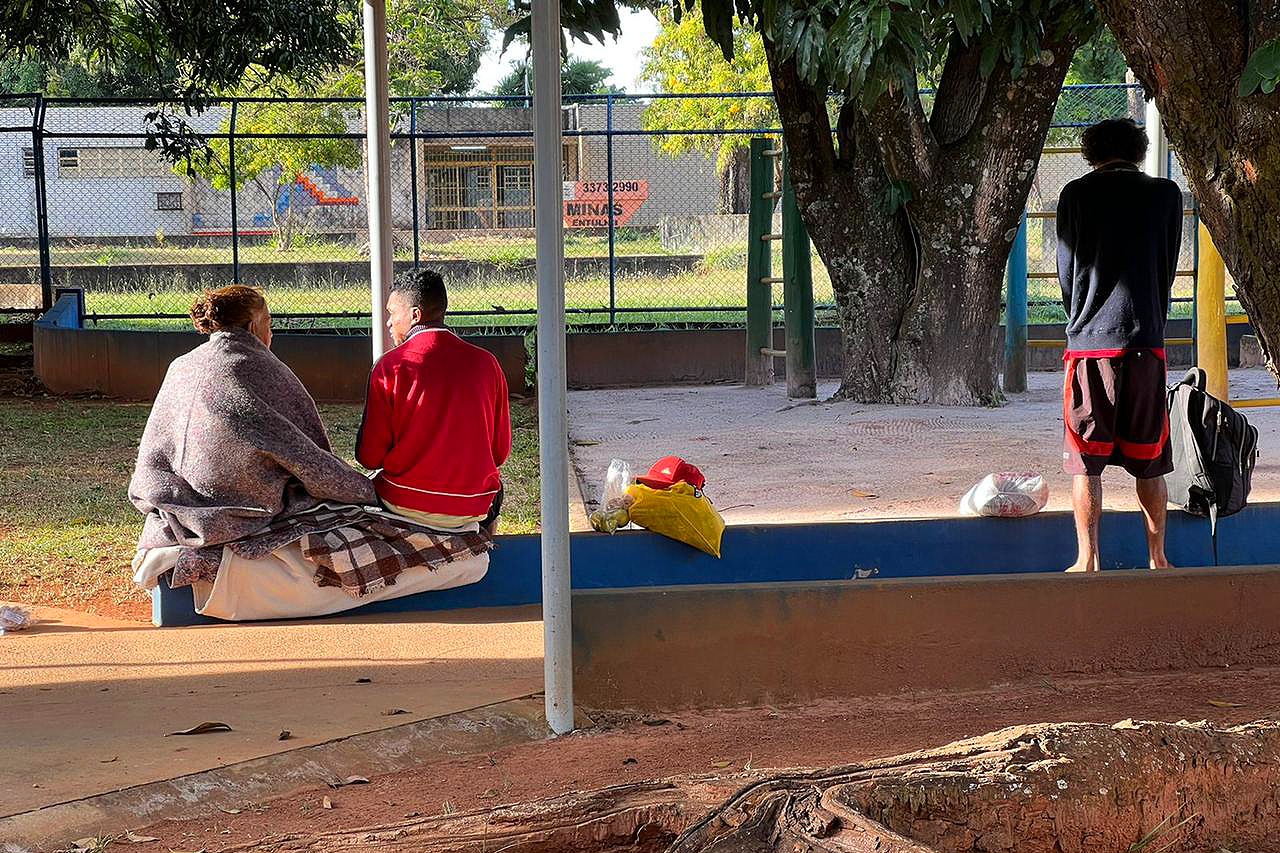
x=1214 y=451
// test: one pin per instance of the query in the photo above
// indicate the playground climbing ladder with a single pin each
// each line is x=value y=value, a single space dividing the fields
x=796 y=278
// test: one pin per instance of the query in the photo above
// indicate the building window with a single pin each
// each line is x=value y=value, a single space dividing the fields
x=479 y=186
x=68 y=161
x=168 y=201
x=28 y=163
x=116 y=162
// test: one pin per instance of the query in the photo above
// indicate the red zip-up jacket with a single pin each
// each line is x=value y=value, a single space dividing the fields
x=438 y=424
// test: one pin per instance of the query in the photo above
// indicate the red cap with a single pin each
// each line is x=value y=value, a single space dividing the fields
x=669 y=470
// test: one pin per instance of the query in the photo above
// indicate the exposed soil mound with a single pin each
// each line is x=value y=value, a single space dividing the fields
x=1059 y=788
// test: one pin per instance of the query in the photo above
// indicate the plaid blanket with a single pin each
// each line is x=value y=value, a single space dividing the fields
x=360 y=550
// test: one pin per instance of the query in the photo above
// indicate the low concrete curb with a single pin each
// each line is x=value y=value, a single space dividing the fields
x=238 y=785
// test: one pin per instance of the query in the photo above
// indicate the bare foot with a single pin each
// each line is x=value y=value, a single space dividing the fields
x=1161 y=563
x=1082 y=568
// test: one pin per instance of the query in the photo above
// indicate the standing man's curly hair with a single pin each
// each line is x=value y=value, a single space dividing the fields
x=1114 y=139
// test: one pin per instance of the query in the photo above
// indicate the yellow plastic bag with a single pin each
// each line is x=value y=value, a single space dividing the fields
x=679 y=513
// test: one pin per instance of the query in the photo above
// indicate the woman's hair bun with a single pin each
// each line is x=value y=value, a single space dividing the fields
x=226 y=308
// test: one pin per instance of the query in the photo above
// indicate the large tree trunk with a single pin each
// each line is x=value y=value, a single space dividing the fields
x=1049 y=788
x=1190 y=56
x=735 y=182
x=918 y=287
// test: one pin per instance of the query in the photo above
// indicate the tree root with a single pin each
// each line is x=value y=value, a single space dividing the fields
x=1050 y=788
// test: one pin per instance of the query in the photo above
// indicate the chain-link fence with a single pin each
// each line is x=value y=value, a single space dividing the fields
x=21 y=208
x=655 y=193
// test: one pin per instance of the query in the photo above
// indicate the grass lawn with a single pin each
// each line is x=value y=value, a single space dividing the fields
x=718 y=281
x=489 y=248
x=67 y=529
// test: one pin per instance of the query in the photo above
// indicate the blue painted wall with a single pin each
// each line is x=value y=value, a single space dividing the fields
x=833 y=551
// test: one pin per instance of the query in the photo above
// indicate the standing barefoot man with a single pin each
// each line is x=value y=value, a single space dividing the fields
x=1119 y=232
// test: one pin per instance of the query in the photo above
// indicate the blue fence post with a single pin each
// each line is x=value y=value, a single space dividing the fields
x=413 y=183
x=42 y=203
x=1015 y=314
x=613 y=258
x=235 y=223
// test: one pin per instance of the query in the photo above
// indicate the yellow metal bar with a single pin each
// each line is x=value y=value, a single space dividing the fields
x=1179 y=342
x=1211 y=317
x=1046 y=344
x=1256 y=403
x=1238 y=320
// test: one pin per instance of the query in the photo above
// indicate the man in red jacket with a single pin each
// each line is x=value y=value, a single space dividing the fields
x=436 y=420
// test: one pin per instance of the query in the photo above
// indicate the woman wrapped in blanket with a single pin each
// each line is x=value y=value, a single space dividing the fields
x=234 y=440
x=234 y=454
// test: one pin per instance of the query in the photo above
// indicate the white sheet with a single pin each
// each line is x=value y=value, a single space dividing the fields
x=283 y=586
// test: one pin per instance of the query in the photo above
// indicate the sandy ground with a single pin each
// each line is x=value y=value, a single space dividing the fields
x=91 y=699
x=621 y=750
x=770 y=460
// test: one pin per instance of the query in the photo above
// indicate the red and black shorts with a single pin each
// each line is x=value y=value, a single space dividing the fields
x=1115 y=413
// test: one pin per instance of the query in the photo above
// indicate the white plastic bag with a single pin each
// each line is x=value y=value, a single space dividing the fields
x=616 y=482
x=13 y=619
x=1008 y=494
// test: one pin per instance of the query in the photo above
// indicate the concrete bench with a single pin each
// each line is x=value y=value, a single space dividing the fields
x=836 y=551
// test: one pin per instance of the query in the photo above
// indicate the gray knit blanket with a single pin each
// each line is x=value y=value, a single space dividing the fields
x=234 y=442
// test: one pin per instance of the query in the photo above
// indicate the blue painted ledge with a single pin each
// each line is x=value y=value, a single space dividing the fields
x=899 y=548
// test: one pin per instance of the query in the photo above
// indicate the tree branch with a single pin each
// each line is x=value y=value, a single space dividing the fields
x=903 y=135
x=1016 y=112
x=960 y=92
x=806 y=129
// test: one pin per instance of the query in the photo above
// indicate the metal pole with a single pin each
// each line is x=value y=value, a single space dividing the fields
x=377 y=120
x=1157 y=161
x=1211 y=317
x=613 y=259
x=760 y=267
x=235 y=222
x=42 y=204
x=797 y=297
x=552 y=398
x=1015 y=314
x=413 y=185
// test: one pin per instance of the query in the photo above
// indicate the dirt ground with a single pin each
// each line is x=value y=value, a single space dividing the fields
x=622 y=749
x=770 y=460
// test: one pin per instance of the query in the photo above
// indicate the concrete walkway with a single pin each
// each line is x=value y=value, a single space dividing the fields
x=770 y=460
x=87 y=701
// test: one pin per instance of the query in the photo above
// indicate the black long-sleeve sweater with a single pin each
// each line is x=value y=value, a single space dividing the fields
x=1119 y=231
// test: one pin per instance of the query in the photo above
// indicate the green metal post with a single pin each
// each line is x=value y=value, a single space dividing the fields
x=797 y=297
x=760 y=266
x=1015 y=314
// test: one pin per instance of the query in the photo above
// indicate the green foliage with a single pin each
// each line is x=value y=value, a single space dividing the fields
x=682 y=60
x=188 y=51
x=77 y=78
x=860 y=48
x=1098 y=60
x=577 y=77
x=1263 y=71
x=433 y=46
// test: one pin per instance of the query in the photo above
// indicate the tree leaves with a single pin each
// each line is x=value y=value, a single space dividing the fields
x=1262 y=73
x=211 y=46
x=859 y=48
